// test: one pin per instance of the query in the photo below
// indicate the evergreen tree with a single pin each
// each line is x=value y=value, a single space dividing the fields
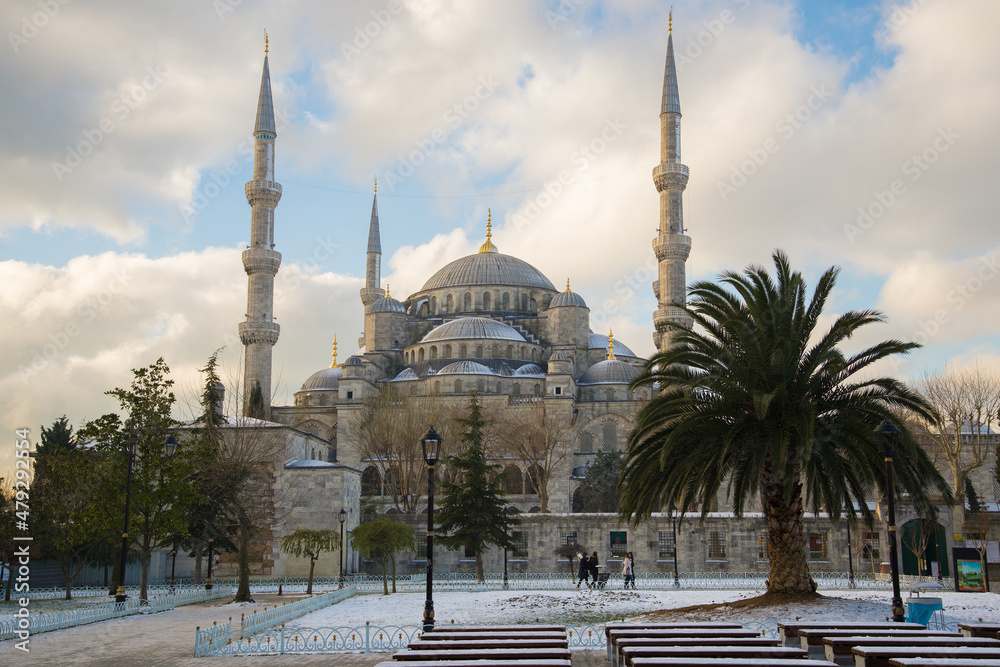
x=971 y=496
x=57 y=438
x=306 y=543
x=598 y=492
x=472 y=508
x=380 y=540
x=255 y=404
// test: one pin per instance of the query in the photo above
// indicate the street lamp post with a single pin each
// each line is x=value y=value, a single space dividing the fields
x=169 y=447
x=343 y=518
x=850 y=558
x=886 y=434
x=173 y=565
x=673 y=526
x=431 y=444
x=506 y=513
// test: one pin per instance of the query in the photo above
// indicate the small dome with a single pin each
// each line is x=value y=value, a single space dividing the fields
x=529 y=369
x=465 y=367
x=328 y=378
x=567 y=299
x=621 y=349
x=407 y=374
x=353 y=361
x=559 y=356
x=473 y=328
x=610 y=371
x=386 y=304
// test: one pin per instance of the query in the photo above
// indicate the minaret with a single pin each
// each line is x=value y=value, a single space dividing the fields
x=259 y=332
x=671 y=245
x=373 y=271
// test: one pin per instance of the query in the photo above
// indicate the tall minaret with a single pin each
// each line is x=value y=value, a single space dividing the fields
x=671 y=245
x=371 y=292
x=259 y=332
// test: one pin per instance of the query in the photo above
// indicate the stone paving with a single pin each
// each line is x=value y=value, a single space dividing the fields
x=167 y=639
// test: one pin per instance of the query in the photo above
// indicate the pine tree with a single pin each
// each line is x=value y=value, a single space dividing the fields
x=971 y=497
x=472 y=508
x=599 y=490
x=255 y=404
x=57 y=438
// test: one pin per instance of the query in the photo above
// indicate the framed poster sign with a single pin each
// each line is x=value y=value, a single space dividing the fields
x=970 y=576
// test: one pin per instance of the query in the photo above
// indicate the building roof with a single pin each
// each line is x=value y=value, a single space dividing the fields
x=325 y=379
x=621 y=349
x=473 y=328
x=671 y=97
x=465 y=367
x=609 y=371
x=488 y=268
x=406 y=374
x=386 y=304
x=566 y=299
x=265 y=107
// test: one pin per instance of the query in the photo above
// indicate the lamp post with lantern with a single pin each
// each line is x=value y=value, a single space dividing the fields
x=343 y=518
x=886 y=434
x=431 y=445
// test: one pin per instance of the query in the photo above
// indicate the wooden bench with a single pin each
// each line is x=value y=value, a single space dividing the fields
x=481 y=663
x=979 y=629
x=614 y=633
x=630 y=653
x=510 y=642
x=728 y=662
x=814 y=640
x=840 y=649
x=789 y=630
x=484 y=654
x=690 y=625
x=943 y=662
x=879 y=656
x=447 y=637
x=622 y=642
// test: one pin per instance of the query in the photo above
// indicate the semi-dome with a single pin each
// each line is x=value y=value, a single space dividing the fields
x=567 y=299
x=488 y=268
x=328 y=378
x=621 y=349
x=473 y=328
x=386 y=304
x=609 y=371
x=529 y=369
x=559 y=356
x=406 y=374
x=465 y=367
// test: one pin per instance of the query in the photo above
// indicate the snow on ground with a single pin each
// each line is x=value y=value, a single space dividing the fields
x=581 y=608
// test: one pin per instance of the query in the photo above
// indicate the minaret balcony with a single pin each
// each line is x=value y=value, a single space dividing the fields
x=672 y=246
x=656 y=289
x=261 y=260
x=670 y=175
x=671 y=315
x=259 y=331
x=262 y=192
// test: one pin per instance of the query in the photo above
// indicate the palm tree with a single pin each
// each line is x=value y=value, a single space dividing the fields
x=754 y=398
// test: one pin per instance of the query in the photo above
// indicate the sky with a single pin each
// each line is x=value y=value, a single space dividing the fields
x=853 y=134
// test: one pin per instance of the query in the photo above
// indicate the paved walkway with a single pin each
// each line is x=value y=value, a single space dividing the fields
x=167 y=639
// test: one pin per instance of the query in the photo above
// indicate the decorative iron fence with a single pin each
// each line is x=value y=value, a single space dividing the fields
x=269 y=618
x=57 y=620
x=153 y=588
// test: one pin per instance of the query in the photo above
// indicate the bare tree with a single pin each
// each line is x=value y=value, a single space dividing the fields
x=538 y=439
x=967 y=402
x=388 y=434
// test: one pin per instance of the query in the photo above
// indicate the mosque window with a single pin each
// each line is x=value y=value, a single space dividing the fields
x=609 y=432
x=434 y=352
x=481 y=386
x=524 y=302
x=479 y=352
x=506 y=300
x=468 y=302
x=371 y=482
x=458 y=386
x=350 y=395
x=496 y=351
x=486 y=300
x=559 y=391
x=510 y=352
x=423 y=309
x=517 y=388
x=447 y=351
x=538 y=389
x=437 y=387
x=420 y=355
x=524 y=353
x=449 y=304
x=586 y=442
x=533 y=306
x=463 y=352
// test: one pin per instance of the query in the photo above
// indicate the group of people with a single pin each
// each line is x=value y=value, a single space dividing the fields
x=589 y=565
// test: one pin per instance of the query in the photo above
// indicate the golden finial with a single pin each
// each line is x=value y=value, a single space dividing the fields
x=334 y=364
x=376 y=184
x=488 y=246
x=611 y=345
x=265 y=43
x=670 y=22
x=567 y=284
x=387 y=290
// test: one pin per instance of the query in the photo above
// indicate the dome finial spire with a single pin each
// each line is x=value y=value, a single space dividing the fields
x=488 y=246
x=567 y=285
x=611 y=344
x=670 y=22
x=387 y=290
x=334 y=364
x=265 y=43
x=376 y=184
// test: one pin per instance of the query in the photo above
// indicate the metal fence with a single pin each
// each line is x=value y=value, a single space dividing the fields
x=269 y=618
x=153 y=587
x=57 y=620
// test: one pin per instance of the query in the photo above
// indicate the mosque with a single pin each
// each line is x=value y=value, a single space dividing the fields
x=492 y=324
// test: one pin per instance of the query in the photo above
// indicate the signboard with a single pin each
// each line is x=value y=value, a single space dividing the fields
x=993 y=552
x=970 y=576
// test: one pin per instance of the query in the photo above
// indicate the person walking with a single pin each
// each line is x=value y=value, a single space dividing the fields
x=593 y=569
x=628 y=571
x=584 y=569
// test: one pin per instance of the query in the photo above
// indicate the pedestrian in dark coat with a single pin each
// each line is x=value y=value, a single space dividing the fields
x=584 y=569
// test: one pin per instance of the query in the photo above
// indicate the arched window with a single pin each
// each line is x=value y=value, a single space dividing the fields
x=609 y=432
x=534 y=354
x=467 y=302
x=533 y=306
x=496 y=351
x=506 y=300
x=510 y=352
x=423 y=309
x=463 y=352
x=434 y=352
x=449 y=304
x=524 y=303
x=586 y=442
x=447 y=351
x=538 y=389
x=481 y=386
x=371 y=482
x=437 y=387
x=524 y=353
x=609 y=395
x=511 y=480
x=517 y=388
x=420 y=355
x=486 y=300
x=479 y=352
x=458 y=386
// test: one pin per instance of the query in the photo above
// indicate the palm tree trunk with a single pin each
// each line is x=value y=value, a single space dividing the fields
x=787 y=549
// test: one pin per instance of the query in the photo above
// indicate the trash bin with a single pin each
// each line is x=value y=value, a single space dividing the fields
x=920 y=610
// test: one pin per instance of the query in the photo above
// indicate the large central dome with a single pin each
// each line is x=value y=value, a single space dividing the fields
x=488 y=268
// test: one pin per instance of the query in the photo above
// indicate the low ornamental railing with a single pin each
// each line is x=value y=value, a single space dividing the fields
x=269 y=618
x=57 y=620
x=153 y=588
